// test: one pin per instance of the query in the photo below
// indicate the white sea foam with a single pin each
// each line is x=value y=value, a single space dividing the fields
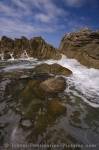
x=17 y=67
x=21 y=63
x=85 y=80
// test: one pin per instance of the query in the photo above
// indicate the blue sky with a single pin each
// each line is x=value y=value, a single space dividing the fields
x=50 y=19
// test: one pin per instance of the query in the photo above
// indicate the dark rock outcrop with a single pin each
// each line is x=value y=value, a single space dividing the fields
x=82 y=45
x=35 y=47
x=55 y=69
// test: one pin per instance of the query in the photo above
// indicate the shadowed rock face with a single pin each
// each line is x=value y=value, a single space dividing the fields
x=82 y=45
x=35 y=47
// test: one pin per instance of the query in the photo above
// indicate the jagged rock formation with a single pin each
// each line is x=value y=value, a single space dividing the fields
x=82 y=45
x=35 y=47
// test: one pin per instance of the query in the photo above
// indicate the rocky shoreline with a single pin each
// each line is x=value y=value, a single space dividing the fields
x=82 y=45
x=46 y=101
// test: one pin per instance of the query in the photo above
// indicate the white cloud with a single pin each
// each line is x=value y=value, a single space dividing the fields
x=11 y=11
x=47 y=8
x=25 y=17
x=74 y=3
x=6 y=10
x=43 y=17
x=19 y=28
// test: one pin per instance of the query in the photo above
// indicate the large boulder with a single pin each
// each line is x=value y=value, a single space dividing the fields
x=53 y=85
x=55 y=69
x=83 y=46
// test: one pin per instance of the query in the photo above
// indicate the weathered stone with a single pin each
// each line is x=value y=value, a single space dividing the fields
x=35 y=47
x=55 y=69
x=83 y=46
x=53 y=85
x=43 y=50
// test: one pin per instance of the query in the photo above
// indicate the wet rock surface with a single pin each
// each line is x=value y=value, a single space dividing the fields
x=30 y=115
x=83 y=46
x=55 y=69
x=53 y=85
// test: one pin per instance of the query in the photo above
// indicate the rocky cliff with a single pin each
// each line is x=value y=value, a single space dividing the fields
x=35 y=47
x=82 y=45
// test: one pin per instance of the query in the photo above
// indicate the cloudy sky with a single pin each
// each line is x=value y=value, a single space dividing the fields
x=50 y=19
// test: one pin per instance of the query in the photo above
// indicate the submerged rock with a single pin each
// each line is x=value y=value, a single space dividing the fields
x=55 y=107
x=55 y=69
x=32 y=90
x=53 y=85
x=83 y=46
x=41 y=76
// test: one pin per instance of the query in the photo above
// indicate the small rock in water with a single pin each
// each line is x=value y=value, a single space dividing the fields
x=26 y=123
x=24 y=77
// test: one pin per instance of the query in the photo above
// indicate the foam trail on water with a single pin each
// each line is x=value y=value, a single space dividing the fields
x=12 y=57
x=21 y=64
x=85 y=80
x=2 y=56
x=17 y=67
